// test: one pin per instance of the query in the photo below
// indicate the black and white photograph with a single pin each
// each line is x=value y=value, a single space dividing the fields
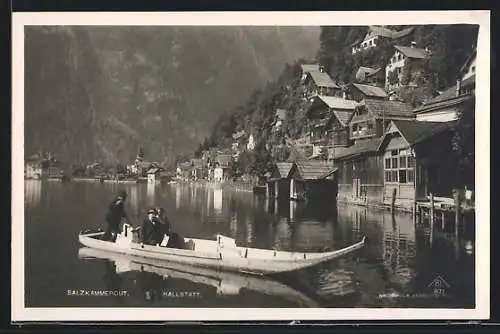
x=333 y=165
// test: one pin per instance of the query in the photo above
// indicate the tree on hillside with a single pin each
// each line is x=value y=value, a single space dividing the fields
x=463 y=142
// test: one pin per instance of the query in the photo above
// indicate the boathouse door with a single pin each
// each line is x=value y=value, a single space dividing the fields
x=356 y=188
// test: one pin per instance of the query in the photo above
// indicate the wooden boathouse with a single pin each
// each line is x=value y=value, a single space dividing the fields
x=278 y=184
x=313 y=180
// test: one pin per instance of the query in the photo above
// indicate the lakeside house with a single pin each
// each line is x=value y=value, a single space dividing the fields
x=329 y=117
x=153 y=174
x=375 y=35
x=35 y=170
x=308 y=68
x=359 y=92
x=250 y=143
x=313 y=180
x=223 y=165
x=280 y=118
x=371 y=117
x=320 y=83
x=405 y=66
x=445 y=107
x=370 y=76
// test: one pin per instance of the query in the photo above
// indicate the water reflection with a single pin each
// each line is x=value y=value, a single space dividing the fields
x=134 y=200
x=32 y=191
x=177 y=196
x=151 y=189
x=397 y=255
x=154 y=276
x=218 y=200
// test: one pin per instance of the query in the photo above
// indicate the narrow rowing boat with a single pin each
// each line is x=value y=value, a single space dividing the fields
x=226 y=283
x=221 y=254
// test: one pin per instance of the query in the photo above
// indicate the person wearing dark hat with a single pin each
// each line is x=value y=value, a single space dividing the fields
x=150 y=229
x=116 y=212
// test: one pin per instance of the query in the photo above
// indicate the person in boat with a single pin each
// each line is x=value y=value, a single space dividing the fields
x=163 y=220
x=116 y=212
x=151 y=229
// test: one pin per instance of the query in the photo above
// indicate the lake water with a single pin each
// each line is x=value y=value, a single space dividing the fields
x=398 y=267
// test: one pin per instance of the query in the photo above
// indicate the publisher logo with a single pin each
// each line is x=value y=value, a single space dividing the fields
x=439 y=286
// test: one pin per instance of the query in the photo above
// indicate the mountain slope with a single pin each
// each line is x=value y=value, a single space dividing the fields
x=103 y=92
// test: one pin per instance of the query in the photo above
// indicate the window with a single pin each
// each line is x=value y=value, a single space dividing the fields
x=473 y=69
x=399 y=167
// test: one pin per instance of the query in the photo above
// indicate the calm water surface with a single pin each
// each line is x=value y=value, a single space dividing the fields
x=396 y=267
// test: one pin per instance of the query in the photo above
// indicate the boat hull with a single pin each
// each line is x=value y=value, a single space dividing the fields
x=217 y=255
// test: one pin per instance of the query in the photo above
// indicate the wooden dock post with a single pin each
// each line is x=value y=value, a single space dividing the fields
x=267 y=189
x=456 y=197
x=432 y=210
x=442 y=220
x=393 y=200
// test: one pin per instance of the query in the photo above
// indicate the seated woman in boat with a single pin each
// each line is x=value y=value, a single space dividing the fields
x=163 y=220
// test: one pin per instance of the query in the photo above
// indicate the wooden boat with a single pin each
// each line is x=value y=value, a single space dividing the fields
x=226 y=283
x=221 y=254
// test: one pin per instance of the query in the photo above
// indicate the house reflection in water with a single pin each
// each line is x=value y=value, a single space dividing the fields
x=134 y=200
x=177 y=197
x=218 y=200
x=32 y=191
x=335 y=281
x=151 y=189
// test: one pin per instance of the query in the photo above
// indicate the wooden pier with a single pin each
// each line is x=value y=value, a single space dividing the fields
x=443 y=209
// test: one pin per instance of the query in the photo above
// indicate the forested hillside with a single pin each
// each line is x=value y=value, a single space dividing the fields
x=103 y=92
x=449 y=45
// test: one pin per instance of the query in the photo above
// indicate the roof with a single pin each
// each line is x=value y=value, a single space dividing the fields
x=281 y=114
x=335 y=102
x=410 y=52
x=442 y=103
x=468 y=61
x=310 y=68
x=154 y=170
x=238 y=135
x=315 y=170
x=368 y=71
x=342 y=109
x=360 y=147
x=469 y=81
x=372 y=91
x=388 y=109
x=224 y=159
x=321 y=79
x=415 y=132
x=389 y=33
x=284 y=168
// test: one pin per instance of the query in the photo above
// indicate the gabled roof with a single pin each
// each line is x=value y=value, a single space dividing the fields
x=342 y=109
x=468 y=61
x=238 y=135
x=372 y=91
x=388 y=109
x=443 y=103
x=359 y=147
x=415 y=132
x=388 y=33
x=284 y=168
x=368 y=71
x=314 y=170
x=410 y=52
x=306 y=68
x=321 y=79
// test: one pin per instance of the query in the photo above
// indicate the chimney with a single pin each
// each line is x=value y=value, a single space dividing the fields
x=413 y=44
x=321 y=69
x=459 y=87
x=344 y=95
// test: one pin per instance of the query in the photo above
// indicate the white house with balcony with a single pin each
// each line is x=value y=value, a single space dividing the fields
x=375 y=35
x=406 y=59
